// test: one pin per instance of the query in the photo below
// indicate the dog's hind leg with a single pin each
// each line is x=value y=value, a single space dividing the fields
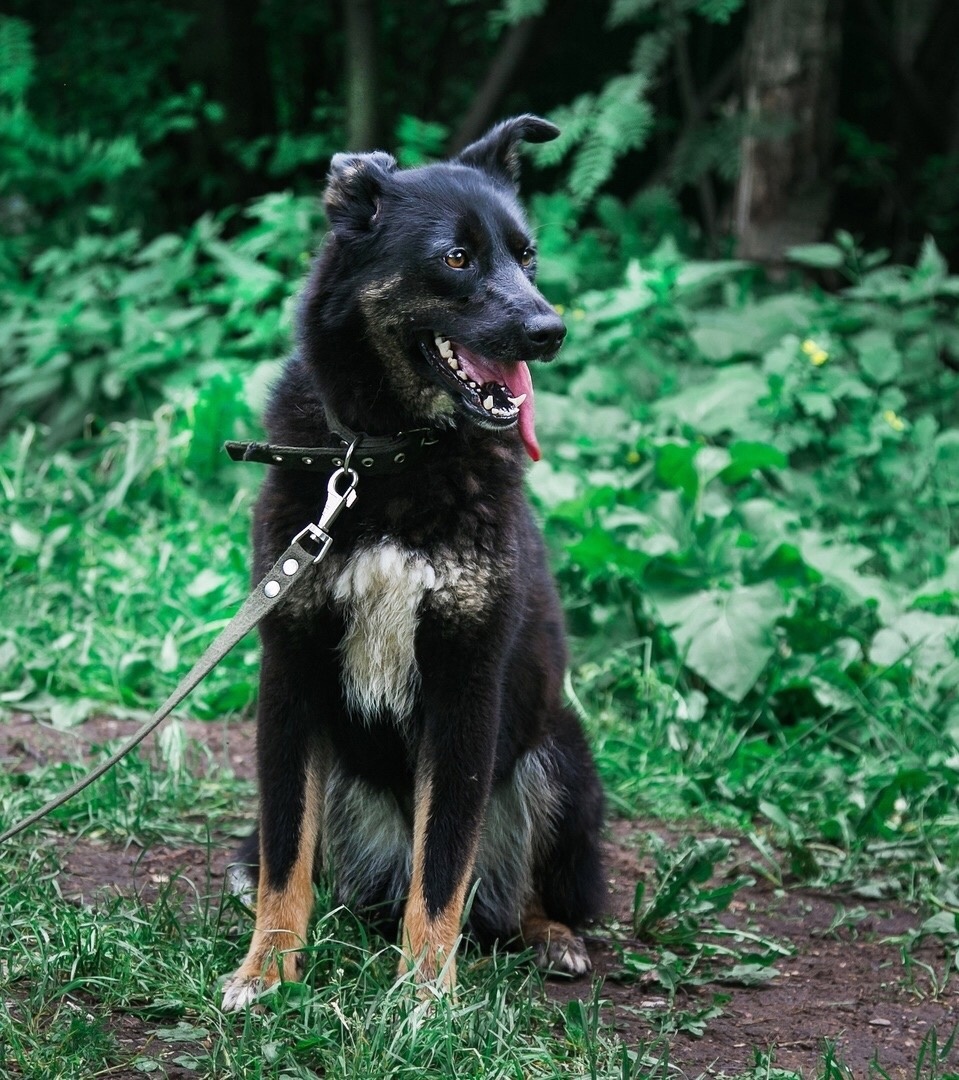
x=556 y=948
x=568 y=877
x=291 y=806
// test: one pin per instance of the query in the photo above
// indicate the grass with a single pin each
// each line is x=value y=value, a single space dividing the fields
x=77 y=980
x=127 y=561
x=86 y=987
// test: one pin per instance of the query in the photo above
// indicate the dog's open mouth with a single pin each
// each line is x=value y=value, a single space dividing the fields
x=495 y=394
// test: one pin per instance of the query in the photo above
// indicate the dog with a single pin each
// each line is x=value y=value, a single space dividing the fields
x=412 y=738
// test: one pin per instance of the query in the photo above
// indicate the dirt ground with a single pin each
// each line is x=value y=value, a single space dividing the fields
x=848 y=986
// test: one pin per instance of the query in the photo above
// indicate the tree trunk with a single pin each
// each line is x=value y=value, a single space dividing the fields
x=935 y=63
x=360 y=22
x=791 y=88
x=226 y=52
x=501 y=70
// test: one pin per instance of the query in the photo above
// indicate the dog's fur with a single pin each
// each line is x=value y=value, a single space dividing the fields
x=411 y=730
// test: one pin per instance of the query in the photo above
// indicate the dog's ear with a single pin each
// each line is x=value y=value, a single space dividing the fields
x=497 y=153
x=354 y=188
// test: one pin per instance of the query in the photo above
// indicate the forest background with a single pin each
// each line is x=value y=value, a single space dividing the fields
x=751 y=440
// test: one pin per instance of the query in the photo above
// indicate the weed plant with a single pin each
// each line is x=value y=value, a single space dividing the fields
x=750 y=494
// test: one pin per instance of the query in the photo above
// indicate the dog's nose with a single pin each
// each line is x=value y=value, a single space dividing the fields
x=545 y=332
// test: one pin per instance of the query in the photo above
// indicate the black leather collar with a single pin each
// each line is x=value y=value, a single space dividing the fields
x=378 y=455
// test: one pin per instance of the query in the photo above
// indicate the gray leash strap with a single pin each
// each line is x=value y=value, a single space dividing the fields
x=286 y=571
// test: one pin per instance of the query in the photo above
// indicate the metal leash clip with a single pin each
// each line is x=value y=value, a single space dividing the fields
x=336 y=502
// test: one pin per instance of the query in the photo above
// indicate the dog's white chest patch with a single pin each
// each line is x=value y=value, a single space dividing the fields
x=381 y=590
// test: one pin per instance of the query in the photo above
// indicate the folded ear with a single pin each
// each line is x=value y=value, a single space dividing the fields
x=497 y=153
x=354 y=188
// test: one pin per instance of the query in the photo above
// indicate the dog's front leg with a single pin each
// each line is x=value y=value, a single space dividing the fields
x=284 y=900
x=291 y=770
x=452 y=790
x=444 y=852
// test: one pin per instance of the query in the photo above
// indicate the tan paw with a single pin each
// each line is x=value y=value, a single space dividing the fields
x=562 y=954
x=240 y=990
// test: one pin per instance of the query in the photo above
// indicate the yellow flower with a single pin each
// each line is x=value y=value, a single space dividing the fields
x=634 y=457
x=817 y=355
x=560 y=309
x=894 y=421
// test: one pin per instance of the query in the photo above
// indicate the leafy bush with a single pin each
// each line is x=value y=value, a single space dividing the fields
x=764 y=480
x=761 y=481
x=108 y=326
x=750 y=490
x=43 y=171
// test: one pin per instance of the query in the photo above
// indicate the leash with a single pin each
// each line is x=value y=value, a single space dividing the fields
x=285 y=573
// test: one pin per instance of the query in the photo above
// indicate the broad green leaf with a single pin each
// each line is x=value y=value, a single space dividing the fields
x=65 y=715
x=721 y=404
x=946 y=582
x=944 y=923
x=879 y=358
x=674 y=466
x=725 y=636
x=599 y=553
x=748 y=457
x=817 y=256
x=928 y=642
x=839 y=564
x=696 y=275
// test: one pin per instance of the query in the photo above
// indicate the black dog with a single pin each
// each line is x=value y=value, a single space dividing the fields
x=411 y=730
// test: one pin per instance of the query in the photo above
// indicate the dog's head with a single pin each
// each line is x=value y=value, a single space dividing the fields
x=438 y=264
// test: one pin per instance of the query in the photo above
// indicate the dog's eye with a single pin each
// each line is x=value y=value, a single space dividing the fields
x=526 y=259
x=457 y=259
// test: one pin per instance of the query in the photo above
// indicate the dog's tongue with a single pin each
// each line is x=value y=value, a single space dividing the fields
x=517 y=378
x=521 y=383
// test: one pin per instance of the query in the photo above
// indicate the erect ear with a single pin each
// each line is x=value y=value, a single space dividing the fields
x=497 y=153
x=354 y=188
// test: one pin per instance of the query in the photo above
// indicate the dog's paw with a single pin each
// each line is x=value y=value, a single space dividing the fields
x=240 y=990
x=241 y=883
x=563 y=954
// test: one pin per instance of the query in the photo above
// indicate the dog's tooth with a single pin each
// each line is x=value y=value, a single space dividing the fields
x=488 y=403
x=473 y=385
x=444 y=347
x=453 y=362
x=517 y=401
x=462 y=375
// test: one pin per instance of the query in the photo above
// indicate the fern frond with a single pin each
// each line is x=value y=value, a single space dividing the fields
x=573 y=122
x=718 y=11
x=625 y=116
x=714 y=147
x=650 y=52
x=624 y=11
x=621 y=121
x=514 y=11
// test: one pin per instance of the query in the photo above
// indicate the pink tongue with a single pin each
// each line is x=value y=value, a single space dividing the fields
x=521 y=383
x=517 y=378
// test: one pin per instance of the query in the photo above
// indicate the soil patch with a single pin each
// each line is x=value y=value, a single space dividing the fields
x=847 y=986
